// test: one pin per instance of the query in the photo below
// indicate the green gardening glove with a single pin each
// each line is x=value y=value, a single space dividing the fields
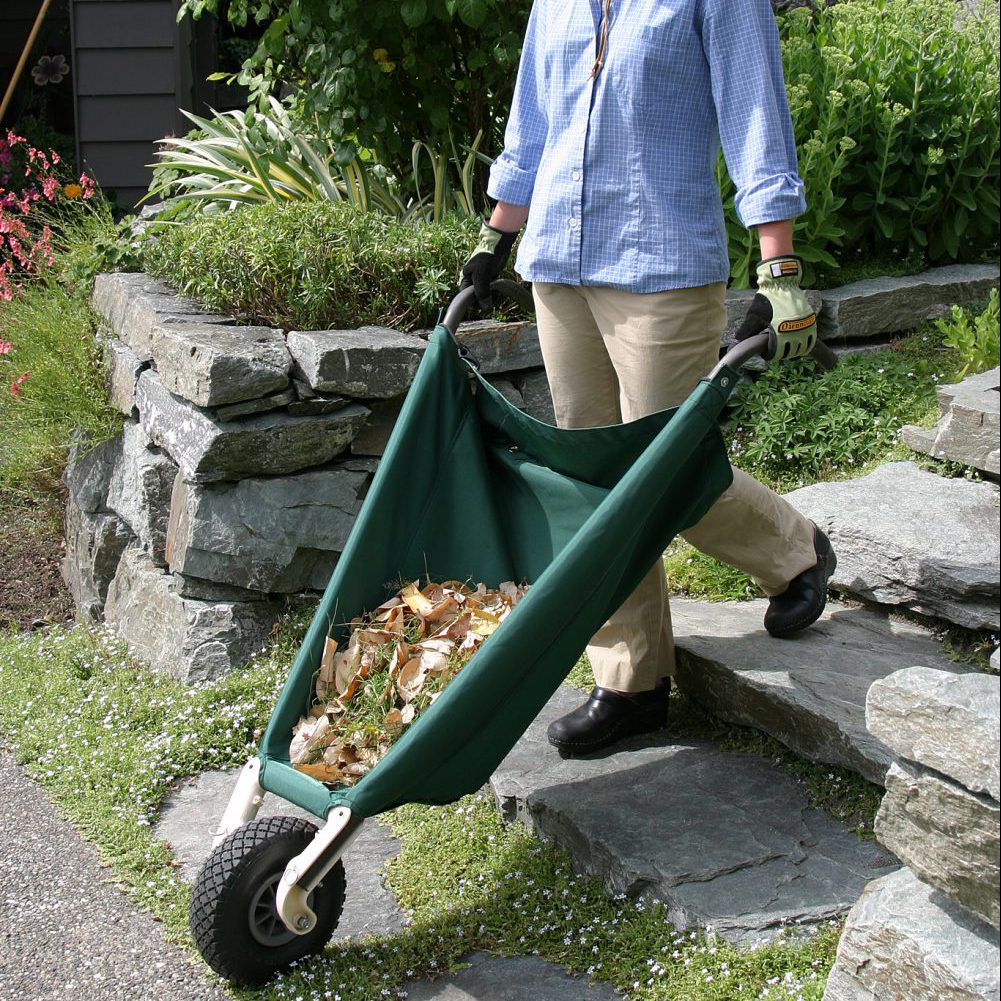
x=486 y=262
x=782 y=307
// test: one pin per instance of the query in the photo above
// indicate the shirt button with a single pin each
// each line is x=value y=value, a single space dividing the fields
x=576 y=175
x=572 y=223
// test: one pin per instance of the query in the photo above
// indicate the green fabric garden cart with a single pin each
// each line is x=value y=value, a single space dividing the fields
x=581 y=515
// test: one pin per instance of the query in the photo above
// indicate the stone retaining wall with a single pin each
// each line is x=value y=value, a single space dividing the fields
x=247 y=451
x=930 y=931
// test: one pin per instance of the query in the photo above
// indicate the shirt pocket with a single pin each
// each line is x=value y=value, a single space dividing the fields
x=650 y=52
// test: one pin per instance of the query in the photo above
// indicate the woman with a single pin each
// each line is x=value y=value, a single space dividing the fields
x=618 y=114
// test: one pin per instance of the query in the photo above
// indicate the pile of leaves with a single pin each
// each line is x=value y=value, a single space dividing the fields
x=397 y=661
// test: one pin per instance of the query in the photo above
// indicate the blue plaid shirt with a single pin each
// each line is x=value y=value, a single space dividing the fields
x=619 y=172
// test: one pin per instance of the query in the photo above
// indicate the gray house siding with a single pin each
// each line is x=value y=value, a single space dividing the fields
x=133 y=71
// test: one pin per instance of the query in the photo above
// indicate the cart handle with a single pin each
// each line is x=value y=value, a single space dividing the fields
x=757 y=345
x=456 y=311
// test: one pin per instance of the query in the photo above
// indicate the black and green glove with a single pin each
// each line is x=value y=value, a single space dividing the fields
x=487 y=262
x=781 y=306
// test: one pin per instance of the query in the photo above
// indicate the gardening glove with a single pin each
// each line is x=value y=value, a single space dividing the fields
x=487 y=262
x=781 y=306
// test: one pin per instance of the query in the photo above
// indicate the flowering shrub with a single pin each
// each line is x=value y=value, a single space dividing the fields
x=31 y=183
x=29 y=178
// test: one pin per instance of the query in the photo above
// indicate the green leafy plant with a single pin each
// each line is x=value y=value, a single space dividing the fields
x=975 y=336
x=48 y=336
x=256 y=157
x=387 y=73
x=895 y=110
x=315 y=265
x=248 y=158
x=446 y=194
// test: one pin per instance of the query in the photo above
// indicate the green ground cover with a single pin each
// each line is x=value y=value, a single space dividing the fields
x=108 y=739
x=315 y=265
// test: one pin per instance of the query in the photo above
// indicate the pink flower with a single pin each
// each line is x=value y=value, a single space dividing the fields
x=15 y=386
x=5 y=347
x=49 y=187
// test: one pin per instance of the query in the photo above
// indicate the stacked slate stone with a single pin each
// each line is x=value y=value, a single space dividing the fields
x=245 y=455
x=930 y=930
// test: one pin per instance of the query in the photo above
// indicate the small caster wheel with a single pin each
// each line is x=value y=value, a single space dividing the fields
x=234 y=915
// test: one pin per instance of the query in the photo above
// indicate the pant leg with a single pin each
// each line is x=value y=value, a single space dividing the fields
x=634 y=649
x=660 y=346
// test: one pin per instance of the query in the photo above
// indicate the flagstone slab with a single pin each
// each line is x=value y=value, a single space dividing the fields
x=910 y=538
x=213 y=364
x=280 y=534
x=191 y=814
x=889 y=304
x=509 y=978
x=807 y=691
x=369 y=363
x=137 y=306
x=721 y=839
x=968 y=429
x=207 y=449
x=501 y=347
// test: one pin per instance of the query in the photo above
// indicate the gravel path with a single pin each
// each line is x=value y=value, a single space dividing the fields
x=65 y=932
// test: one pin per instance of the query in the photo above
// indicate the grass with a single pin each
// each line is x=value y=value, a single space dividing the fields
x=51 y=375
x=107 y=740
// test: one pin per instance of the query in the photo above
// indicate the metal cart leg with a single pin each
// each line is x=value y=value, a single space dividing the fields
x=244 y=802
x=307 y=869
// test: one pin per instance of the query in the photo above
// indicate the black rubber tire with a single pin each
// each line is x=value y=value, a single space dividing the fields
x=233 y=918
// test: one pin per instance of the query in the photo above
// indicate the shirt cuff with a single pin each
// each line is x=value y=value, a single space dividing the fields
x=509 y=182
x=772 y=199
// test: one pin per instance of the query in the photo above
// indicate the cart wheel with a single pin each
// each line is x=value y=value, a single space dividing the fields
x=234 y=916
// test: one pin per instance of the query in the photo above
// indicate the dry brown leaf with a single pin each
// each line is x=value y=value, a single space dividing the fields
x=327 y=660
x=410 y=680
x=416 y=601
x=374 y=637
x=394 y=621
x=456 y=629
x=321 y=771
x=433 y=662
x=447 y=606
x=459 y=619
x=395 y=602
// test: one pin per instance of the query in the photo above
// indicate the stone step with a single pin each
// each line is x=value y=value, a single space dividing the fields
x=808 y=691
x=910 y=538
x=721 y=839
x=968 y=429
x=509 y=978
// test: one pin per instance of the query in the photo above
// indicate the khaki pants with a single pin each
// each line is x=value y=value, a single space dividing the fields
x=614 y=356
